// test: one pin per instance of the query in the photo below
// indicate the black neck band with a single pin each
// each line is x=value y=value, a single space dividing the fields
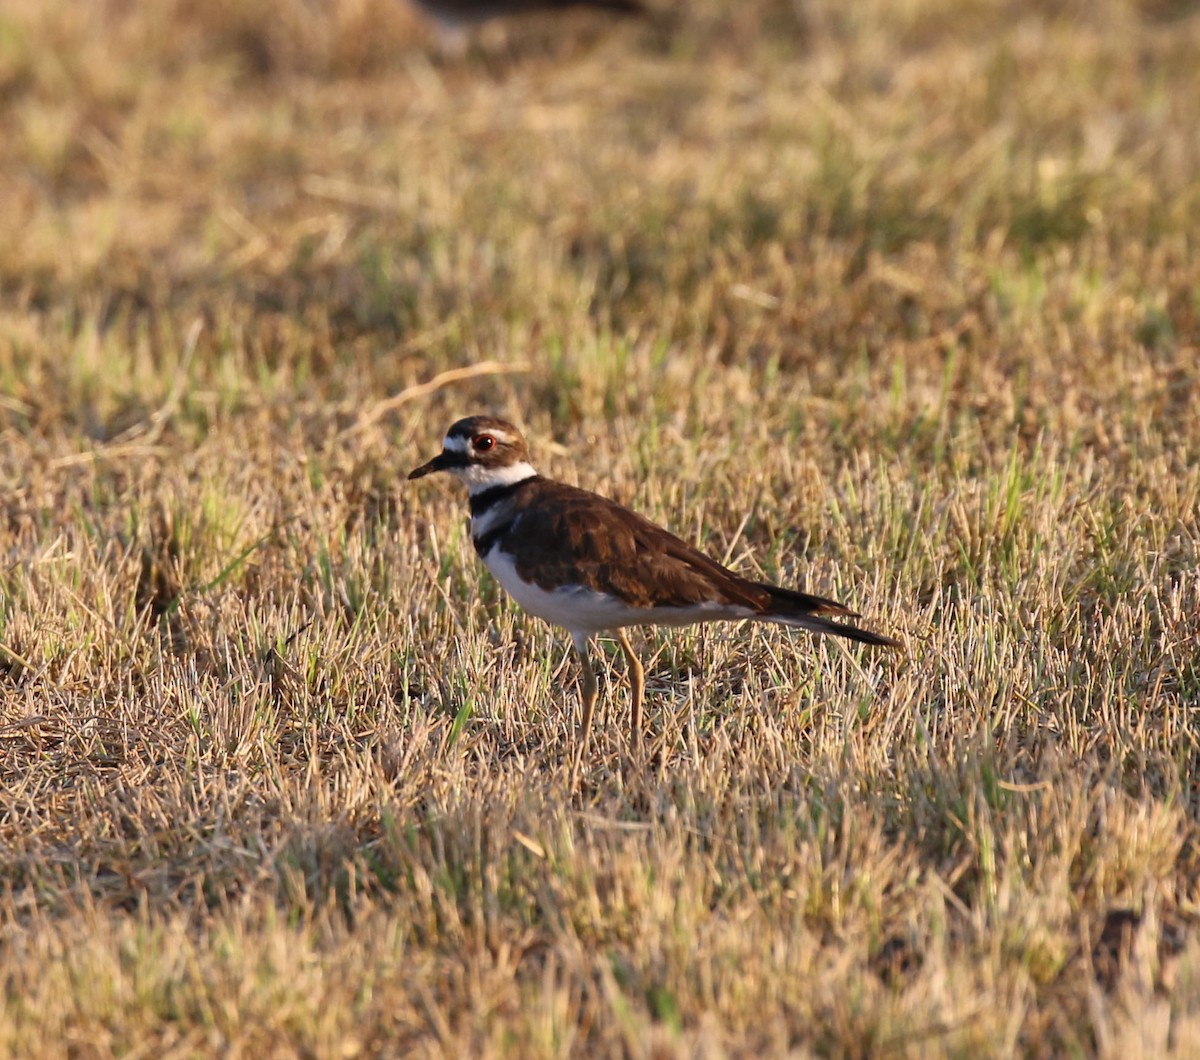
x=483 y=544
x=481 y=502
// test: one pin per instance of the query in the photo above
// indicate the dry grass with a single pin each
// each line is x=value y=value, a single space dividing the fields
x=896 y=301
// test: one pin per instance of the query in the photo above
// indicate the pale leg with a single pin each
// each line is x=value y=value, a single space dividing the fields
x=637 y=681
x=588 y=690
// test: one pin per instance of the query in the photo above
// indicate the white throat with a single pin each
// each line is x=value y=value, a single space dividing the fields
x=479 y=478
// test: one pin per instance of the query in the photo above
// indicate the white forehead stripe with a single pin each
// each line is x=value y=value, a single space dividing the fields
x=457 y=443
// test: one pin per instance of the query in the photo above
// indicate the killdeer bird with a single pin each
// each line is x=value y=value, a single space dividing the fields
x=586 y=563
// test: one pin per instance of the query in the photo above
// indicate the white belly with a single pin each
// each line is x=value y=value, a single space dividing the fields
x=583 y=610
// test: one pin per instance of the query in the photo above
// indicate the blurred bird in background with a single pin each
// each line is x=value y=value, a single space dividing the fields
x=465 y=13
x=456 y=19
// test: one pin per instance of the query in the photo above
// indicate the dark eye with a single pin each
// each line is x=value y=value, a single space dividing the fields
x=483 y=443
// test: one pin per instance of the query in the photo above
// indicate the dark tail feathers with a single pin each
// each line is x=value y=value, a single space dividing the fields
x=791 y=608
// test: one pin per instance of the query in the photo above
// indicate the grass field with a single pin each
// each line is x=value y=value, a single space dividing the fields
x=897 y=302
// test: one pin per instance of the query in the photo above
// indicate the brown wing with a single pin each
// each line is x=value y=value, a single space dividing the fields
x=569 y=536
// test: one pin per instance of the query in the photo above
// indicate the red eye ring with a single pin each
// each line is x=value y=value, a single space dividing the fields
x=482 y=443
